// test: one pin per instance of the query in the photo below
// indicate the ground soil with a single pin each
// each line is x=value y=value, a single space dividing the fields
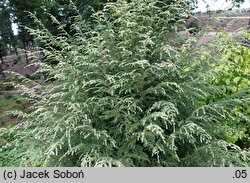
x=231 y=26
x=21 y=68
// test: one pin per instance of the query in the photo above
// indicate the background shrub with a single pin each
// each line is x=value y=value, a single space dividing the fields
x=17 y=59
x=193 y=26
x=233 y=77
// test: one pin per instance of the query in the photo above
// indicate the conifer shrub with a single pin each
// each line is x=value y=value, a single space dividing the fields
x=125 y=93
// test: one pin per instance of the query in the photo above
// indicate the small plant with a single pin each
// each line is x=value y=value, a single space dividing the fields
x=17 y=59
x=6 y=86
x=10 y=103
x=34 y=77
x=193 y=26
x=2 y=121
x=8 y=97
x=13 y=78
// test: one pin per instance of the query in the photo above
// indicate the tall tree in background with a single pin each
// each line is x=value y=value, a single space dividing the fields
x=63 y=12
x=2 y=53
x=236 y=2
x=87 y=7
x=20 y=10
x=3 y=48
x=6 y=32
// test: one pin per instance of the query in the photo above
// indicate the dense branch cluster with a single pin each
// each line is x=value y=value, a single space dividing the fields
x=127 y=92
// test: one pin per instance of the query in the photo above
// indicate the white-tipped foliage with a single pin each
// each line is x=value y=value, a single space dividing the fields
x=127 y=94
